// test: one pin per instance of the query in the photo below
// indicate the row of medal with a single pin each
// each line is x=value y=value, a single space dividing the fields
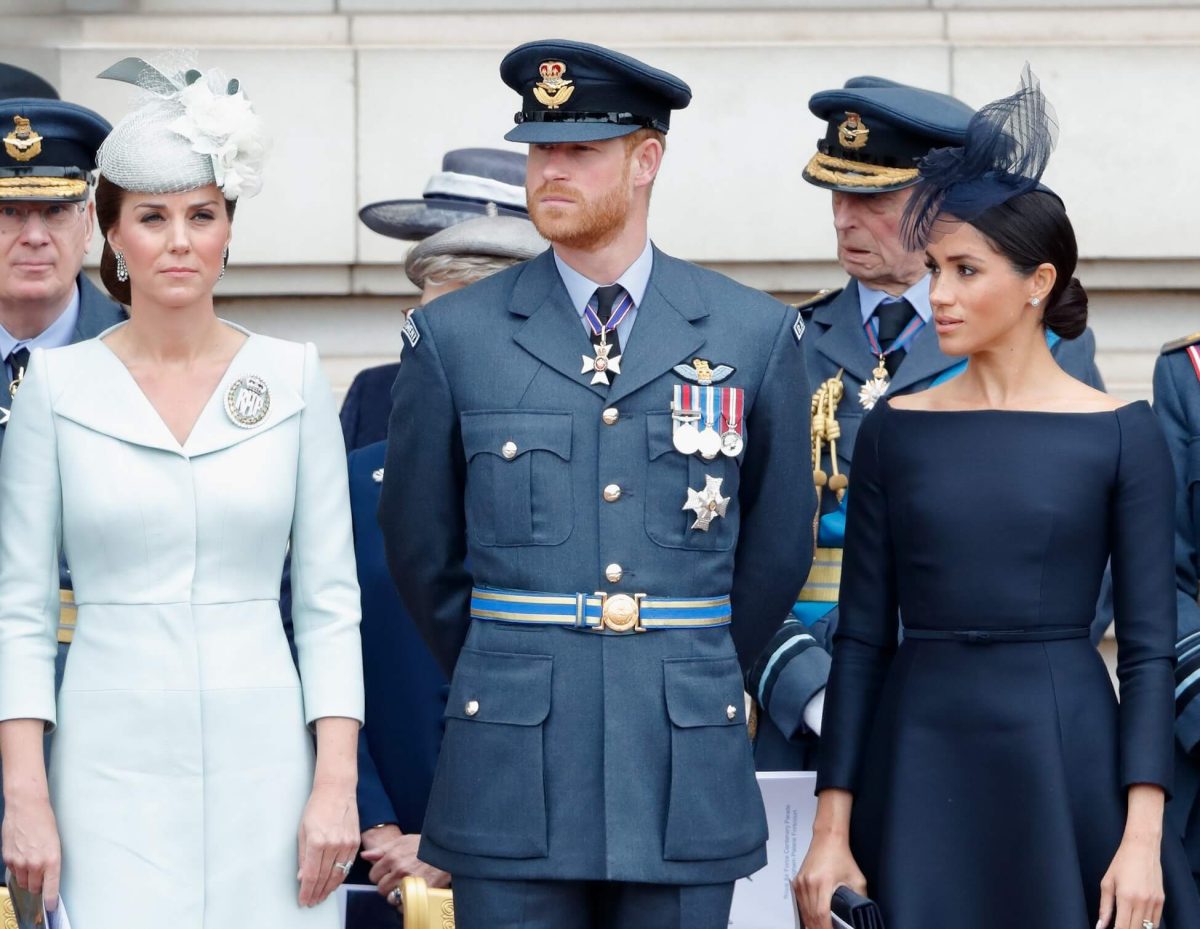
x=707 y=420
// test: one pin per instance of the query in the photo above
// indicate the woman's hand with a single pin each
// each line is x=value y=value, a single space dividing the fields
x=829 y=863
x=393 y=856
x=31 y=848
x=328 y=838
x=1133 y=884
x=827 y=866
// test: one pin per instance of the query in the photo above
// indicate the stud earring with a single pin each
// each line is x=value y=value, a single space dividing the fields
x=1035 y=301
x=122 y=269
x=224 y=261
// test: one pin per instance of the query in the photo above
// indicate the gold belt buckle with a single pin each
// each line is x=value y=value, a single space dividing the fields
x=620 y=612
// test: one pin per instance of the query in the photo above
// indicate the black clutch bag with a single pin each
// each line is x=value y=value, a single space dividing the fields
x=854 y=911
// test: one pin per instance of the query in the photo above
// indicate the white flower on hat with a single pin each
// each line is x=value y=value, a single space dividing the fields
x=224 y=126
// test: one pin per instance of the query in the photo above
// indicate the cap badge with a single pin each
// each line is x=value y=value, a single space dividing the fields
x=552 y=90
x=853 y=132
x=248 y=401
x=22 y=143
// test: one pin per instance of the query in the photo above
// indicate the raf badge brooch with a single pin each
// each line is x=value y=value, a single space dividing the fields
x=248 y=401
x=707 y=420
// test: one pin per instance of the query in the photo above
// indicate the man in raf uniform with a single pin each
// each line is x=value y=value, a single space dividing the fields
x=49 y=152
x=1177 y=403
x=870 y=338
x=608 y=432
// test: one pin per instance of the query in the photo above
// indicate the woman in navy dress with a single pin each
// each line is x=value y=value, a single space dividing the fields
x=976 y=769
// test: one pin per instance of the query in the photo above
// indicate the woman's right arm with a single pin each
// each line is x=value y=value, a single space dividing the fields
x=30 y=526
x=864 y=644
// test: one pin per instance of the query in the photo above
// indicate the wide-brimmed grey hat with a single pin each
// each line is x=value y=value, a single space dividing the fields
x=473 y=182
x=488 y=236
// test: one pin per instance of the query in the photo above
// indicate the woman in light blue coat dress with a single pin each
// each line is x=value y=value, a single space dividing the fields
x=174 y=460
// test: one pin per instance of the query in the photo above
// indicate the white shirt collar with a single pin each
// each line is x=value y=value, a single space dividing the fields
x=635 y=279
x=57 y=334
x=917 y=295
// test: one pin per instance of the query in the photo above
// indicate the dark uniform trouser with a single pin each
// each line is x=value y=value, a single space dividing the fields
x=487 y=904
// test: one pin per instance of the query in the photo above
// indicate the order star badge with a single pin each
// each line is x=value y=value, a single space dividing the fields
x=707 y=504
x=601 y=364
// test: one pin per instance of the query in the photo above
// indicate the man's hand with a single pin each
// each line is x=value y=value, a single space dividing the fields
x=393 y=857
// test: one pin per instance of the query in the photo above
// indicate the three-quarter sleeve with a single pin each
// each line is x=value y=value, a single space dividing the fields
x=325 y=596
x=1142 y=520
x=30 y=532
x=866 y=636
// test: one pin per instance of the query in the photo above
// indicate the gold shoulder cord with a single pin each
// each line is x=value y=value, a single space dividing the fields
x=827 y=431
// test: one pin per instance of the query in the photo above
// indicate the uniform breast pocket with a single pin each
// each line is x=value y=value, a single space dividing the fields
x=518 y=476
x=669 y=475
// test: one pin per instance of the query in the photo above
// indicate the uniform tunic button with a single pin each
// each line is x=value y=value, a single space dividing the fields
x=509 y=450
x=610 y=415
x=612 y=493
x=614 y=572
x=731 y=711
x=471 y=708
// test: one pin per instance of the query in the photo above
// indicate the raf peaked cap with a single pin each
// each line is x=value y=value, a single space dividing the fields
x=49 y=148
x=473 y=182
x=878 y=130
x=577 y=92
x=17 y=82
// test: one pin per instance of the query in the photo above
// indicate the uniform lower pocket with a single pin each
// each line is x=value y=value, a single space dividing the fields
x=489 y=792
x=715 y=808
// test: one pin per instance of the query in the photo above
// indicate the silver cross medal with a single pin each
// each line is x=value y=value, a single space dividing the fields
x=707 y=504
x=601 y=364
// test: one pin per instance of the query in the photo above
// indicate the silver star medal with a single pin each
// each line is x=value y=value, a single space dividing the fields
x=872 y=391
x=602 y=363
x=707 y=504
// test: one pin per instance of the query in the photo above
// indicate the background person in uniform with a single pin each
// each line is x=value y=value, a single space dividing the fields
x=876 y=131
x=46 y=165
x=438 y=264
x=405 y=689
x=178 y=457
x=1177 y=403
x=979 y=770
x=592 y=775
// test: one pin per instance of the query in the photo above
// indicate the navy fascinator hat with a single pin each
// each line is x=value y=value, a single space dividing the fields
x=1008 y=144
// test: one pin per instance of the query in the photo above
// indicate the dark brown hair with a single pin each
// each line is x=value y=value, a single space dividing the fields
x=108 y=212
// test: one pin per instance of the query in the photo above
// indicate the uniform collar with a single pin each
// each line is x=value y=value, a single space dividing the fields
x=59 y=333
x=634 y=279
x=917 y=295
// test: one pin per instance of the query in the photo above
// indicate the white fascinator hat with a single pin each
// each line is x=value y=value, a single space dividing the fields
x=189 y=129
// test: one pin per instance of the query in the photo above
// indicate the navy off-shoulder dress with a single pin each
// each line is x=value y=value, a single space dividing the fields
x=985 y=748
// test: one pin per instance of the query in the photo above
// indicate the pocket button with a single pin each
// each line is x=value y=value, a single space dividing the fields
x=509 y=450
x=471 y=708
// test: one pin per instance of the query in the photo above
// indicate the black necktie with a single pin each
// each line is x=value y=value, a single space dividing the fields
x=893 y=316
x=17 y=361
x=606 y=299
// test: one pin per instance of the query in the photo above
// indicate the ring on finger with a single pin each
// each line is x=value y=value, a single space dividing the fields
x=1148 y=924
x=393 y=896
x=345 y=866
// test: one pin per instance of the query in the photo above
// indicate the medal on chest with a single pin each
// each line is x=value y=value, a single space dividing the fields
x=707 y=504
x=872 y=391
x=604 y=363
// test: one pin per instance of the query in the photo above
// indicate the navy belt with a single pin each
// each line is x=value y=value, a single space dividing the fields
x=599 y=611
x=997 y=636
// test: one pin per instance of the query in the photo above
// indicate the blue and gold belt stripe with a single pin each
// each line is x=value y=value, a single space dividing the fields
x=585 y=610
x=66 y=616
x=825 y=578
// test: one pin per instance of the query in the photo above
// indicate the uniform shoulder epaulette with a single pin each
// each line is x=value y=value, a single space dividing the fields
x=821 y=296
x=1177 y=344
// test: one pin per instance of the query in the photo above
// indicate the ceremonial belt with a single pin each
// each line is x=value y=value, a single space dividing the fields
x=825 y=578
x=66 y=616
x=600 y=611
x=997 y=636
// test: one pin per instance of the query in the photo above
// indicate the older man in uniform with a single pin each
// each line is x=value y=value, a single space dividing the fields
x=608 y=432
x=865 y=340
x=49 y=152
x=1177 y=403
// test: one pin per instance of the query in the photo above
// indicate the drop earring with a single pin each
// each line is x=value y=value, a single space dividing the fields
x=224 y=261
x=122 y=270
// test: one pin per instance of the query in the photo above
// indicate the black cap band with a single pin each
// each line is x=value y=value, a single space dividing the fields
x=620 y=119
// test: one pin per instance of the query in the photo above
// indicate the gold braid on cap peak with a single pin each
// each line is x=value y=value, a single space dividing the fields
x=848 y=173
x=44 y=188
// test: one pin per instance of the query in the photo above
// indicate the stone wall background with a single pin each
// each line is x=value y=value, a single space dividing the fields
x=364 y=96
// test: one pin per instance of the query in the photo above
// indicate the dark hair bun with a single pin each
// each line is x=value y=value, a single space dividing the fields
x=1066 y=315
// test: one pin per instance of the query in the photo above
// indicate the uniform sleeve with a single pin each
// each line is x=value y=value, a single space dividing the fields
x=788 y=674
x=1078 y=358
x=866 y=636
x=421 y=510
x=1183 y=442
x=30 y=529
x=325 y=596
x=1142 y=520
x=775 y=544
